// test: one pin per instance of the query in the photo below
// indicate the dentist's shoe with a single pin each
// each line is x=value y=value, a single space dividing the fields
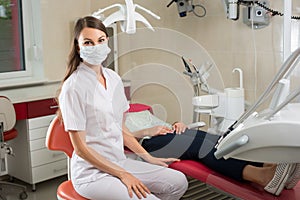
x=276 y=185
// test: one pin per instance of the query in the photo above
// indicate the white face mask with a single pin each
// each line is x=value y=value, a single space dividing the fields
x=94 y=55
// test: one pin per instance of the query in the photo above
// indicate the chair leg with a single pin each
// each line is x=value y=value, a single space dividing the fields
x=22 y=195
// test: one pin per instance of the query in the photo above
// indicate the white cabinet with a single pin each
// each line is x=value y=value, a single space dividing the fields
x=33 y=162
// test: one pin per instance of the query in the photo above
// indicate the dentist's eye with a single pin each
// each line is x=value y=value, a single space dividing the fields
x=88 y=43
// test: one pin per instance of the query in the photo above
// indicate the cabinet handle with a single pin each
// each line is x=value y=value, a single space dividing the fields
x=53 y=107
x=59 y=170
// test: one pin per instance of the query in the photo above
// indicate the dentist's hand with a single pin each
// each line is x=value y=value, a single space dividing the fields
x=159 y=161
x=134 y=185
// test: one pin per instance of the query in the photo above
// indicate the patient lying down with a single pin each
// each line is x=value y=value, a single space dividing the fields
x=163 y=140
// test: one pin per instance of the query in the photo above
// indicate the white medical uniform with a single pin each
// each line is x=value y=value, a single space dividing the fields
x=86 y=105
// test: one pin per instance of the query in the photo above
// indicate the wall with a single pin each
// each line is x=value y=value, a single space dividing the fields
x=228 y=44
x=58 y=19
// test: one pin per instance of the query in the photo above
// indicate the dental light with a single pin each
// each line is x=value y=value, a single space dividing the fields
x=185 y=6
x=126 y=15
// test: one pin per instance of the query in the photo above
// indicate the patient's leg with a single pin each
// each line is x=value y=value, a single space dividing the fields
x=191 y=145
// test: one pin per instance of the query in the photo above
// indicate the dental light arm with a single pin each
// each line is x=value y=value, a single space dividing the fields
x=126 y=15
x=98 y=13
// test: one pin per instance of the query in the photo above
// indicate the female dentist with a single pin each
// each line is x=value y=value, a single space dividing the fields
x=92 y=105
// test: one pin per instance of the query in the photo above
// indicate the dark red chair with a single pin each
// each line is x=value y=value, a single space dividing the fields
x=7 y=132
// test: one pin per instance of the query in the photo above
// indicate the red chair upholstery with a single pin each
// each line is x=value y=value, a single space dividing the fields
x=8 y=118
x=137 y=107
x=57 y=139
x=247 y=191
x=9 y=135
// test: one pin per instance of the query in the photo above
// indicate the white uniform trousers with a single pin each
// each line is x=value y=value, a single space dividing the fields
x=164 y=183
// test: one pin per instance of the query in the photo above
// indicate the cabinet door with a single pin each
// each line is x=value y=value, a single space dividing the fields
x=39 y=122
x=44 y=156
x=48 y=171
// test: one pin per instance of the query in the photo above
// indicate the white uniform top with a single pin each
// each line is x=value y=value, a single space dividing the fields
x=87 y=106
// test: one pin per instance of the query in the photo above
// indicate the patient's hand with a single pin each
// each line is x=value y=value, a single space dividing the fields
x=179 y=127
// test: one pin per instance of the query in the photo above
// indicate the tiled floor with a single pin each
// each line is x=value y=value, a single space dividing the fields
x=44 y=191
x=47 y=191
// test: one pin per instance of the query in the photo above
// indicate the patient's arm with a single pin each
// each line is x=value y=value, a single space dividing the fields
x=133 y=145
x=153 y=131
x=178 y=127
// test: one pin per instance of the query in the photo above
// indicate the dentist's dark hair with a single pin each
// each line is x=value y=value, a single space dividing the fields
x=74 y=56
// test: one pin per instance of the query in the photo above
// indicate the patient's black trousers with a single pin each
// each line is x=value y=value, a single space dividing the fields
x=196 y=145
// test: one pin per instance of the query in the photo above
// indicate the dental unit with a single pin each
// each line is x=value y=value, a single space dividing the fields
x=271 y=135
x=126 y=15
x=224 y=107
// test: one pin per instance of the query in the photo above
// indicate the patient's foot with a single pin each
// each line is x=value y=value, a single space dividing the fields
x=267 y=174
x=269 y=165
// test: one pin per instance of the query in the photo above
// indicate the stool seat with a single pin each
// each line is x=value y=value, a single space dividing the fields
x=66 y=191
x=58 y=139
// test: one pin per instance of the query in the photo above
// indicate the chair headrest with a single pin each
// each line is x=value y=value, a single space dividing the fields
x=7 y=114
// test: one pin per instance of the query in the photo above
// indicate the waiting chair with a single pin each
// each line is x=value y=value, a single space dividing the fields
x=58 y=139
x=7 y=132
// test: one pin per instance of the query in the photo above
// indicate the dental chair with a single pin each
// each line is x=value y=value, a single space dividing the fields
x=223 y=184
x=58 y=139
x=215 y=182
x=7 y=132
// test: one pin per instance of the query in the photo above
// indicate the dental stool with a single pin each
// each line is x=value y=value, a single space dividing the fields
x=7 y=132
x=58 y=139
